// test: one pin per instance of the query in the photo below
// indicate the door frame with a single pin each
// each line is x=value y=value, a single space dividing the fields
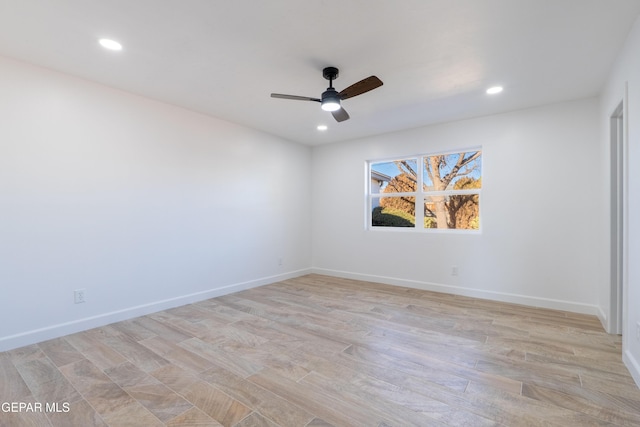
x=619 y=217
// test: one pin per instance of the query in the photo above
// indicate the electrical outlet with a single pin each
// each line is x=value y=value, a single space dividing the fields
x=638 y=331
x=78 y=296
x=454 y=270
x=280 y=261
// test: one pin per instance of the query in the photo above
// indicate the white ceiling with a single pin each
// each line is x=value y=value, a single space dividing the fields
x=225 y=57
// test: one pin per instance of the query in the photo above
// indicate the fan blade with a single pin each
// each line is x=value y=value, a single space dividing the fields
x=294 y=97
x=364 y=85
x=340 y=115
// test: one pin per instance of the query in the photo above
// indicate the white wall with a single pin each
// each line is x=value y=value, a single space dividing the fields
x=142 y=204
x=541 y=211
x=627 y=72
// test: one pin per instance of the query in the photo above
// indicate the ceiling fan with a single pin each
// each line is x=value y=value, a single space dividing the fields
x=330 y=99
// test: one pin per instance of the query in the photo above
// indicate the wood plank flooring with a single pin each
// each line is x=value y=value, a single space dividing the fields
x=318 y=351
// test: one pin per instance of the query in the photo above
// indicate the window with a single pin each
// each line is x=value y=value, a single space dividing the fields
x=434 y=191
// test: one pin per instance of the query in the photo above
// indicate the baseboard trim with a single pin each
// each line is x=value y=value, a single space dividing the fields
x=632 y=365
x=469 y=292
x=54 y=331
x=603 y=319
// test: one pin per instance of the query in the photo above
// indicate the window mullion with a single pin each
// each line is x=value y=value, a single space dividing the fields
x=420 y=194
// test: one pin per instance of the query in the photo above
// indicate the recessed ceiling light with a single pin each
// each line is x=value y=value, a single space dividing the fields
x=495 y=89
x=322 y=127
x=110 y=44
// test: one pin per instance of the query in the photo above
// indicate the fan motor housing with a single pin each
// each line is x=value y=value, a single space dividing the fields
x=330 y=93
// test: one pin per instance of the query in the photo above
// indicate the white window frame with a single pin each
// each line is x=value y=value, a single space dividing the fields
x=420 y=194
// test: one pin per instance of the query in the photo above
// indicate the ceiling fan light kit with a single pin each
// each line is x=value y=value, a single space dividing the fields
x=330 y=99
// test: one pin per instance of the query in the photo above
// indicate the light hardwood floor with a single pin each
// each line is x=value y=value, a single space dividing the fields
x=320 y=351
